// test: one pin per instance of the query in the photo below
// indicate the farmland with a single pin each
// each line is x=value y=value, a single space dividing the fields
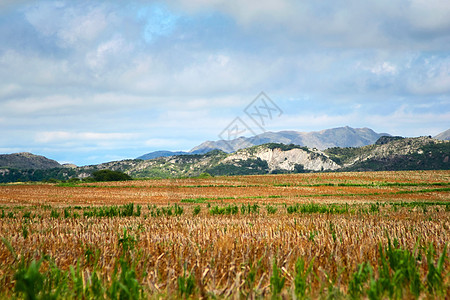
x=373 y=234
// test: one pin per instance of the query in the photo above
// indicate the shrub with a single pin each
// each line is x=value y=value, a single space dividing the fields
x=108 y=175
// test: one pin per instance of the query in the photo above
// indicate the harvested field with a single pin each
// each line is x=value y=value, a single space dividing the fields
x=230 y=237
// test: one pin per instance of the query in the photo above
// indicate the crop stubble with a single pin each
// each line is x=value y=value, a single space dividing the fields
x=221 y=250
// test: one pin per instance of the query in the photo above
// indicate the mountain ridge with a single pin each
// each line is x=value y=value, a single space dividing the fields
x=327 y=138
x=394 y=153
x=414 y=153
x=323 y=139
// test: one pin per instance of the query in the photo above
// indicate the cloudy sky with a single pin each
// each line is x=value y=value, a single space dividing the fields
x=93 y=81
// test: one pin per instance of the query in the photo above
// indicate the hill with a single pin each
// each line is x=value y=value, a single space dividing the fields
x=25 y=160
x=422 y=153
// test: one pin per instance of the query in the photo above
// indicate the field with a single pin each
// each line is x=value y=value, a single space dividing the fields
x=320 y=235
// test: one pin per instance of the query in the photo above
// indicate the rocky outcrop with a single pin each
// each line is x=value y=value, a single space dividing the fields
x=277 y=159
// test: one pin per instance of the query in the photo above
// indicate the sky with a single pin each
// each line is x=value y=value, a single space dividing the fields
x=86 y=82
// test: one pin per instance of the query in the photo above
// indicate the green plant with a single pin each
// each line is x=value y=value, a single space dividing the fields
x=125 y=285
x=397 y=270
x=78 y=284
x=227 y=210
x=374 y=208
x=271 y=209
x=250 y=209
x=358 y=279
x=434 y=279
x=178 y=210
x=250 y=280
x=97 y=289
x=312 y=235
x=196 y=210
x=55 y=283
x=276 y=281
x=54 y=214
x=301 y=277
x=255 y=208
x=29 y=281
x=244 y=208
x=333 y=231
x=127 y=210
x=25 y=231
x=186 y=285
x=128 y=242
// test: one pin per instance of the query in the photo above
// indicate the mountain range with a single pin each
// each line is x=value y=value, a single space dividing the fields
x=391 y=153
x=387 y=153
x=328 y=138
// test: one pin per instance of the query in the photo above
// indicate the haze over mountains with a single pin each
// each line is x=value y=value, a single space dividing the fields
x=443 y=135
x=328 y=138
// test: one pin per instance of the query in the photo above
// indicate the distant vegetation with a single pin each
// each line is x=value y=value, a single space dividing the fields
x=345 y=155
x=284 y=147
x=15 y=175
x=387 y=139
x=108 y=175
x=243 y=167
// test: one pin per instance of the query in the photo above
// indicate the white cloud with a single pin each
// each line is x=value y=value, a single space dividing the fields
x=25 y=70
x=82 y=75
x=432 y=78
x=36 y=106
x=407 y=123
x=429 y=15
x=115 y=48
x=63 y=136
x=71 y=24
x=379 y=24
x=311 y=122
x=384 y=68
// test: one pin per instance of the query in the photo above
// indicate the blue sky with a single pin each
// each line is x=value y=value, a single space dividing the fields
x=93 y=81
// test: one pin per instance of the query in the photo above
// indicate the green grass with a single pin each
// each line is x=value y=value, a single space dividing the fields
x=317 y=208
